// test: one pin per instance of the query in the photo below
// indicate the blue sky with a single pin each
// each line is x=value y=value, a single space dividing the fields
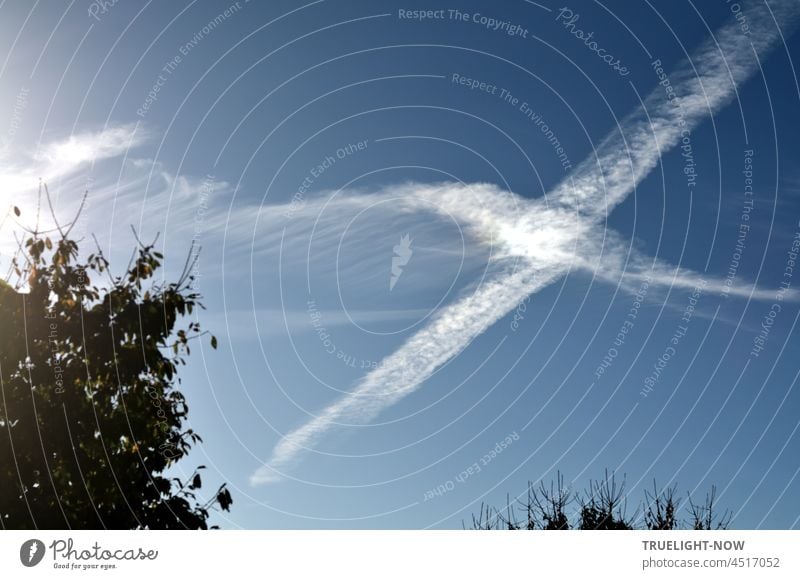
x=410 y=255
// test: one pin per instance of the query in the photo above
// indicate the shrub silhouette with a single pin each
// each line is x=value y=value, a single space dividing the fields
x=600 y=507
x=90 y=416
x=662 y=509
x=603 y=507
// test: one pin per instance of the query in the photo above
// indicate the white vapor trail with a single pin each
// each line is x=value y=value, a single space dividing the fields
x=538 y=241
x=703 y=85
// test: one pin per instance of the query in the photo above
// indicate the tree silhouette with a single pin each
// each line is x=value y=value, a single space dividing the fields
x=662 y=509
x=600 y=507
x=91 y=419
x=603 y=506
x=705 y=517
x=547 y=508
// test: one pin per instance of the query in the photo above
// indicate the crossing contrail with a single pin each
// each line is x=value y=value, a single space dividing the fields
x=538 y=241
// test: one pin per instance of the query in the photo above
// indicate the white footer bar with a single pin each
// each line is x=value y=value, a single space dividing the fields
x=390 y=554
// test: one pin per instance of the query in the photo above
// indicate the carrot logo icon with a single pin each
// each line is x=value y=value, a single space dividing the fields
x=31 y=553
x=402 y=253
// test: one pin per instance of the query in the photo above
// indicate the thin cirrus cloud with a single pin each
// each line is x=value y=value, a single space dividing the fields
x=122 y=190
x=61 y=164
x=539 y=241
x=63 y=158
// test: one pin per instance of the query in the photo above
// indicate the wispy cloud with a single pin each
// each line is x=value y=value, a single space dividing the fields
x=123 y=189
x=703 y=85
x=538 y=241
x=626 y=267
x=21 y=170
